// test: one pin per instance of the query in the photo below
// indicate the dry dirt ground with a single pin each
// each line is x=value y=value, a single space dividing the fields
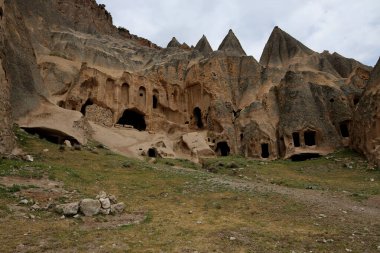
x=222 y=205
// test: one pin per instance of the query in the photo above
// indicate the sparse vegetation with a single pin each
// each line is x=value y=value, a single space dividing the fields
x=191 y=209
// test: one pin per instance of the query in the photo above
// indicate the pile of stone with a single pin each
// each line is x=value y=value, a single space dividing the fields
x=103 y=204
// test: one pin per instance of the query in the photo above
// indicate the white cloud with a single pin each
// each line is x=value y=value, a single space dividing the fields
x=350 y=27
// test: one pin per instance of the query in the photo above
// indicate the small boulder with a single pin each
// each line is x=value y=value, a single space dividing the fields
x=90 y=207
x=69 y=209
x=29 y=158
x=105 y=211
x=113 y=199
x=67 y=143
x=101 y=195
x=35 y=207
x=105 y=202
x=117 y=208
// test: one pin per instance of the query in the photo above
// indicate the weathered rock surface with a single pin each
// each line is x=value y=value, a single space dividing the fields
x=366 y=124
x=69 y=209
x=231 y=45
x=174 y=43
x=89 y=207
x=7 y=142
x=72 y=75
x=204 y=46
x=117 y=208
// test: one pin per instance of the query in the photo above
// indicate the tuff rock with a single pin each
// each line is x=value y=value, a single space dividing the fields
x=67 y=73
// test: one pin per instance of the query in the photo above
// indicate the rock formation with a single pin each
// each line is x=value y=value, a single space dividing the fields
x=75 y=77
x=204 y=46
x=366 y=124
x=231 y=45
x=174 y=43
x=7 y=142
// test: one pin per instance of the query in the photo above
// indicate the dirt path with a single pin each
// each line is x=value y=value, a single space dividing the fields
x=334 y=202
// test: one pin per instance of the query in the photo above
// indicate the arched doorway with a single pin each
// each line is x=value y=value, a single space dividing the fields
x=222 y=148
x=265 y=150
x=198 y=117
x=84 y=106
x=310 y=138
x=155 y=99
x=133 y=118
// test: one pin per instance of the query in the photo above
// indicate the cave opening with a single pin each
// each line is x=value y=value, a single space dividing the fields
x=133 y=118
x=155 y=101
x=296 y=139
x=309 y=137
x=152 y=152
x=61 y=104
x=84 y=106
x=304 y=156
x=198 y=117
x=344 y=129
x=1 y=13
x=265 y=150
x=51 y=135
x=356 y=100
x=222 y=148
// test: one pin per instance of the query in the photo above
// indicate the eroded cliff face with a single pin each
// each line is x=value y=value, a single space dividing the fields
x=186 y=102
x=7 y=141
x=366 y=125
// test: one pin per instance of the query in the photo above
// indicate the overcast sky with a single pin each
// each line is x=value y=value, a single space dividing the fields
x=349 y=27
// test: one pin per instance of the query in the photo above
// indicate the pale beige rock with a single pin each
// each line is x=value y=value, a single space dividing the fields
x=77 y=79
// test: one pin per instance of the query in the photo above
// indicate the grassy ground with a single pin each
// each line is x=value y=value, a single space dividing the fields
x=184 y=210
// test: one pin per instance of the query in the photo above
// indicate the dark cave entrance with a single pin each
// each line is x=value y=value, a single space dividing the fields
x=222 y=148
x=133 y=118
x=356 y=100
x=155 y=101
x=152 y=152
x=84 y=107
x=310 y=138
x=296 y=139
x=51 y=135
x=344 y=129
x=1 y=13
x=304 y=157
x=198 y=117
x=265 y=150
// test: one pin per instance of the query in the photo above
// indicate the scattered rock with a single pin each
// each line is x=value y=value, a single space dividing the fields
x=113 y=199
x=105 y=202
x=67 y=143
x=46 y=150
x=23 y=202
x=105 y=211
x=101 y=195
x=89 y=207
x=35 y=207
x=232 y=238
x=29 y=158
x=70 y=209
x=117 y=208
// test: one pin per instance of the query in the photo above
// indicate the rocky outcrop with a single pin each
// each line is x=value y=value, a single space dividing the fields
x=77 y=76
x=366 y=125
x=7 y=141
x=204 y=46
x=281 y=48
x=174 y=43
x=104 y=204
x=231 y=45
